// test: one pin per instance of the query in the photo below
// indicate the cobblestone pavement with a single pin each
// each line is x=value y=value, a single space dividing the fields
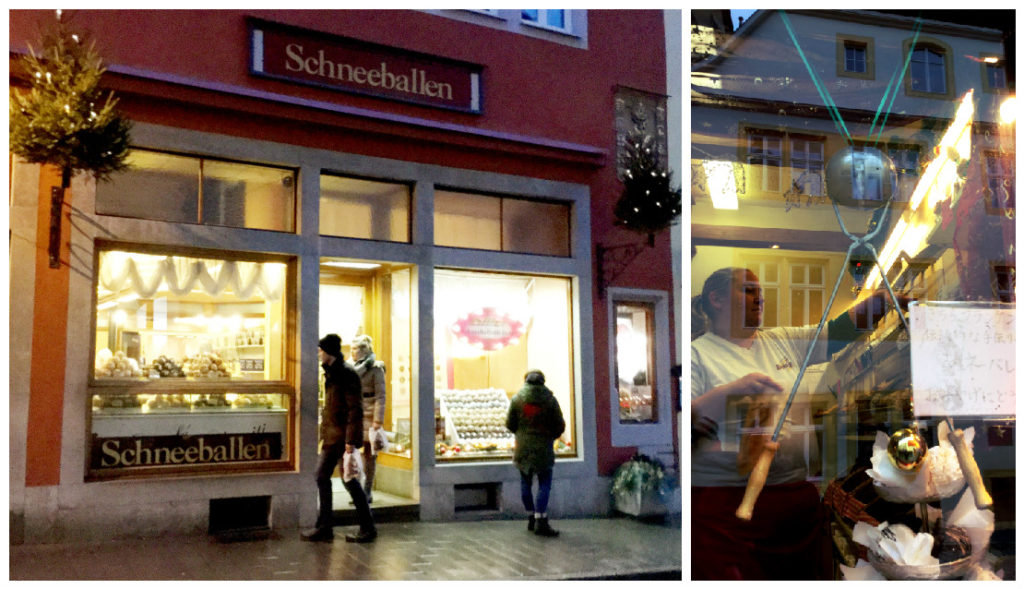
x=610 y=548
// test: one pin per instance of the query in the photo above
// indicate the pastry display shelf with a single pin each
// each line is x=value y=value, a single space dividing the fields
x=476 y=417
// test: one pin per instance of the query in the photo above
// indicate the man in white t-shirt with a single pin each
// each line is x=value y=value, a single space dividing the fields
x=737 y=368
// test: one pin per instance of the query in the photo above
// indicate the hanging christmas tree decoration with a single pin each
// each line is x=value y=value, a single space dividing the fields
x=64 y=118
x=648 y=203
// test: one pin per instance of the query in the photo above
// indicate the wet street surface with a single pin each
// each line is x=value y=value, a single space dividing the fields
x=609 y=548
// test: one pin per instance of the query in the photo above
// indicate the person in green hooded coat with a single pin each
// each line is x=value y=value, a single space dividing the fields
x=536 y=420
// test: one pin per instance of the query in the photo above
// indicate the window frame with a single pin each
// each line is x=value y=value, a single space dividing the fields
x=542 y=20
x=409 y=208
x=644 y=433
x=201 y=198
x=987 y=68
x=1006 y=163
x=287 y=386
x=867 y=43
x=935 y=46
x=501 y=200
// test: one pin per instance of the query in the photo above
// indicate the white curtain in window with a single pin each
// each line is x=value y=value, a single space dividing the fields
x=144 y=274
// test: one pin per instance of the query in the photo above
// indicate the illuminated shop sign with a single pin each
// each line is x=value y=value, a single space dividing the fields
x=181 y=450
x=339 y=63
x=488 y=328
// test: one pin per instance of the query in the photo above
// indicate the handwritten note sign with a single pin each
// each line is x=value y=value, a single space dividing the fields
x=962 y=359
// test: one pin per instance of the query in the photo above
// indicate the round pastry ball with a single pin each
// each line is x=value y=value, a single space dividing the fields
x=951 y=543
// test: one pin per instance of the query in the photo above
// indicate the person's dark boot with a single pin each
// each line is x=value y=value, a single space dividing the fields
x=531 y=523
x=362 y=536
x=544 y=528
x=319 y=535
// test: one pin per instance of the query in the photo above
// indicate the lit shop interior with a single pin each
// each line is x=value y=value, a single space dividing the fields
x=196 y=345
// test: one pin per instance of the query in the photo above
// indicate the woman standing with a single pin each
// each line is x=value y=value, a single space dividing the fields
x=536 y=419
x=371 y=374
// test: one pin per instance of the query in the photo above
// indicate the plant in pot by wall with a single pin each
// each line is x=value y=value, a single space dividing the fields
x=639 y=486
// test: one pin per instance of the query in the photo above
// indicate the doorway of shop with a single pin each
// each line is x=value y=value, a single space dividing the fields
x=375 y=299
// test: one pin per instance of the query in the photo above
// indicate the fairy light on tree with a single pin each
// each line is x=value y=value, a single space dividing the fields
x=65 y=119
x=648 y=203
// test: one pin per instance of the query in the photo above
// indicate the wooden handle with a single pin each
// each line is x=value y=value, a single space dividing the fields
x=969 y=466
x=756 y=481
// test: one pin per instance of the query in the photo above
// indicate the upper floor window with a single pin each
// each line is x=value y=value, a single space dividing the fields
x=906 y=158
x=1001 y=184
x=927 y=71
x=855 y=56
x=802 y=156
x=993 y=74
x=549 y=18
x=807 y=158
x=764 y=152
x=931 y=69
x=190 y=189
x=565 y=27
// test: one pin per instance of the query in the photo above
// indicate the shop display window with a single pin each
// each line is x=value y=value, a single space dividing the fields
x=189 y=189
x=364 y=209
x=634 y=362
x=188 y=346
x=490 y=329
x=501 y=224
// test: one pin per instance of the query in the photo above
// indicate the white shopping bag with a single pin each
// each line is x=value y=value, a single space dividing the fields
x=378 y=440
x=352 y=466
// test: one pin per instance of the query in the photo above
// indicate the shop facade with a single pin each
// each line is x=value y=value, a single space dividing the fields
x=304 y=175
x=787 y=109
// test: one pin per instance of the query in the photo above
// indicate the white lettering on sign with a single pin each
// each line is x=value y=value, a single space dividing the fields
x=414 y=81
x=962 y=359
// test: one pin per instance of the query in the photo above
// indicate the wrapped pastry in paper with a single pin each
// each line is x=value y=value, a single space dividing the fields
x=862 y=572
x=897 y=543
x=939 y=476
x=978 y=523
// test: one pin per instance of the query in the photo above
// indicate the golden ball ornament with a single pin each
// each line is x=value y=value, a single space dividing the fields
x=860 y=177
x=907 y=449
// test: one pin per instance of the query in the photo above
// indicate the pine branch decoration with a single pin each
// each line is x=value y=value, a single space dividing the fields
x=64 y=119
x=648 y=202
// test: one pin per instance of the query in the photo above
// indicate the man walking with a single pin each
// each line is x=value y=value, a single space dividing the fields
x=341 y=432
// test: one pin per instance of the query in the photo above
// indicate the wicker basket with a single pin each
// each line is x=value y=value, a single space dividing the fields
x=947 y=570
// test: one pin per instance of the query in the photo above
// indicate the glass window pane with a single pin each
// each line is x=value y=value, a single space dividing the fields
x=917 y=74
x=936 y=77
x=797 y=274
x=530 y=15
x=364 y=209
x=815 y=305
x=556 y=18
x=489 y=330
x=770 y=318
x=771 y=273
x=816 y=274
x=156 y=186
x=160 y=317
x=244 y=195
x=634 y=362
x=797 y=305
x=531 y=227
x=467 y=220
